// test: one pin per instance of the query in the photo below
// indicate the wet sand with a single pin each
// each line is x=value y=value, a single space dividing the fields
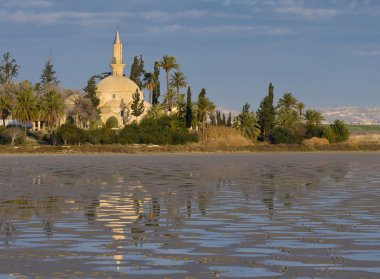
x=197 y=216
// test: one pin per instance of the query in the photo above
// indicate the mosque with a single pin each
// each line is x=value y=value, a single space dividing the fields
x=115 y=91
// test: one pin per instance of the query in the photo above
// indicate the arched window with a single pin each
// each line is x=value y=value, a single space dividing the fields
x=112 y=122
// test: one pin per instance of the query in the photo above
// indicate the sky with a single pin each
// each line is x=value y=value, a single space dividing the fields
x=325 y=52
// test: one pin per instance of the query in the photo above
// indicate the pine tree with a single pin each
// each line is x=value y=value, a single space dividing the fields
x=189 y=111
x=48 y=75
x=156 y=84
x=229 y=120
x=137 y=71
x=266 y=114
x=137 y=105
x=90 y=91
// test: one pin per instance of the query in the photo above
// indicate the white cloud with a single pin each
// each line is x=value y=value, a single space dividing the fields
x=165 y=16
x=223 y=29
x=165 y=29
x=240 y=28
x=44 y=18
x=307 y=13
x=41 y=4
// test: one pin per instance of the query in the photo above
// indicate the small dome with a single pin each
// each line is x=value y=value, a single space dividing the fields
x=117 y=84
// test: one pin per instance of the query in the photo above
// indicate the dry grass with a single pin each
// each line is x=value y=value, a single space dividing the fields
x=225 y=136
x=364 y=139
x=315 y=142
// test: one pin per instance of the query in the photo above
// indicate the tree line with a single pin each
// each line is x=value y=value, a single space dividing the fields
x=287 y=122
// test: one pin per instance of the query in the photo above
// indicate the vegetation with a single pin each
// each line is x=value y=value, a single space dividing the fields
x=25 y=108
x=90 y=91
x=156 y=84
x=137 y=71
x=8 y=69
x=246 y=123
x=266 y=115
x=189 y=109
x=49 y=75
x=137 y=105
x=168 y=63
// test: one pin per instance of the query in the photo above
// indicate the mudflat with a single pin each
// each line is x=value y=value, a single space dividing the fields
x=291 y=215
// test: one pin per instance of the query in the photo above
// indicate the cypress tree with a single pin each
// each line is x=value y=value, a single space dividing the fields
x=229 y=120
x=266 y=115
x=189 y=111
x=156 y=84
x=224 y=120
x=90 y=91
x=137 y=70
x=202 y=93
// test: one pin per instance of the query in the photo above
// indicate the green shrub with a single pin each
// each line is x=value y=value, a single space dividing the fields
x=129 y=134
x=4 y=138
x=70 y=134
x=340 y=130
x=284 y=135
x=317 y=131
x=329 y=134
x=164 y=130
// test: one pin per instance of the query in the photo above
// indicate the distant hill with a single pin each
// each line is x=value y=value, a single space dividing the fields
x=353 y=115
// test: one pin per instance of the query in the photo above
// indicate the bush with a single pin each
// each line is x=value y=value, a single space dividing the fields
x=284 y=135
x=164 y=130
x=105 y=136
x=317 y=131
x=11 y=135
x=329 y=134
x=4 y=139
x=340 y=130
x=70 y=134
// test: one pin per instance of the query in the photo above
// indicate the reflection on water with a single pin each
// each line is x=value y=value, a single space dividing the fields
x=293 y=215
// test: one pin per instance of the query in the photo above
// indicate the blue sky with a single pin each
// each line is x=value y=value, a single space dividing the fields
x=326 y=52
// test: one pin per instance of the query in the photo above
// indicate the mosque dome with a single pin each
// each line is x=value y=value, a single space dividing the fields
x=117 y=84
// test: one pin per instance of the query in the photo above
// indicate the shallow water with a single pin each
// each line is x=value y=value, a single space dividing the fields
x=195 y=216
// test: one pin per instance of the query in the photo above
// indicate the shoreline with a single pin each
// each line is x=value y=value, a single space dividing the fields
x=185 y=149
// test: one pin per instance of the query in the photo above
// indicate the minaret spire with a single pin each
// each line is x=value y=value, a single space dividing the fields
x=117 y=37
x=117 y=61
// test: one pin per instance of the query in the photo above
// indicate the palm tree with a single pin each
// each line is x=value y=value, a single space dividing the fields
x=177 y=81
x=181 y=105
x=300 y=107
x=204 y=105
x=286 y=102
x=52 y=109
x=168 y=63
x=287 y=118
x=169 y=99
x=154 y=112
x=313 y=117
x=148 y=83
x=246 y=123
x=25 y=108
x=5 y=108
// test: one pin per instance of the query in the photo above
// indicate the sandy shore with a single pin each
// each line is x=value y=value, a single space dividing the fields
x=189 y=148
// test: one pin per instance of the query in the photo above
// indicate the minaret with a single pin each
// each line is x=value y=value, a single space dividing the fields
x=117 y=60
